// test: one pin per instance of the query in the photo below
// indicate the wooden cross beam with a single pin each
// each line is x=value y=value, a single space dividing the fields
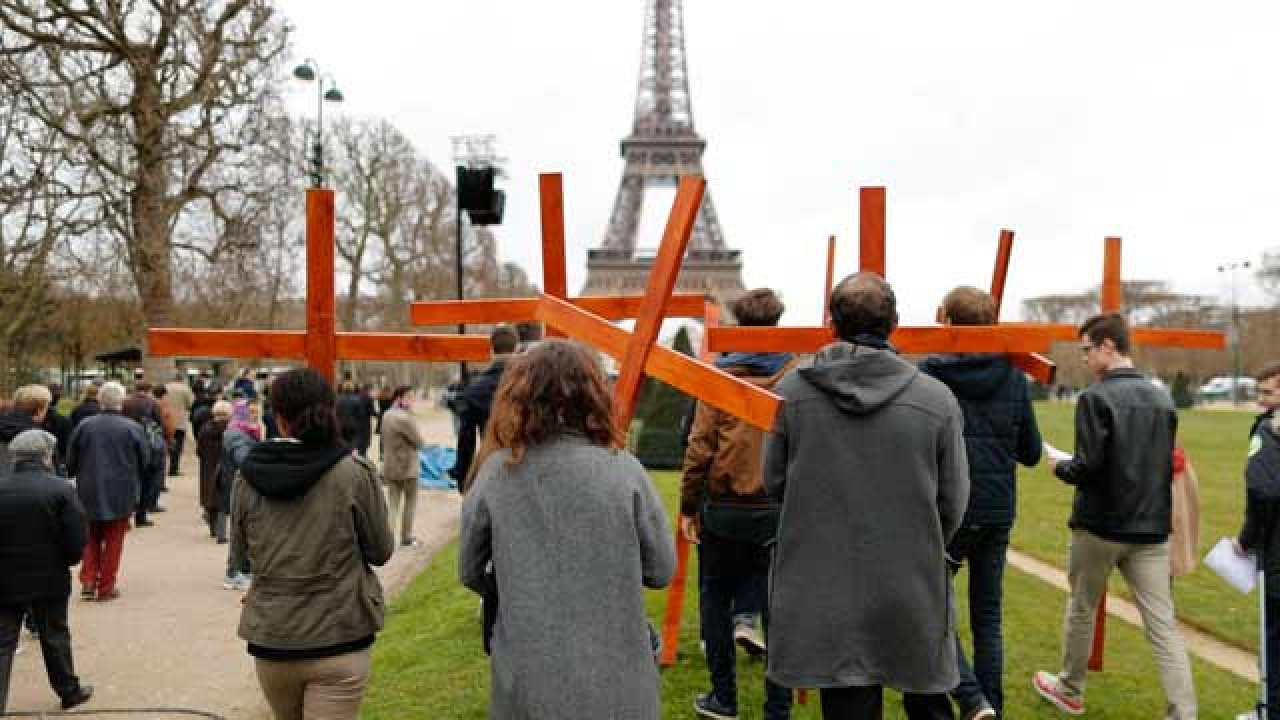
x=321 y=345
x=1020 y=340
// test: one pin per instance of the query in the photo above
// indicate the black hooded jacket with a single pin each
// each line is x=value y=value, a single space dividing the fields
x=284 y=470
x=1262 y=494
x=1000 y=430
x=11 y=423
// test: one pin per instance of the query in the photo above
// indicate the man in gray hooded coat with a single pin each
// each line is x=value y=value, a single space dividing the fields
x=868 y=459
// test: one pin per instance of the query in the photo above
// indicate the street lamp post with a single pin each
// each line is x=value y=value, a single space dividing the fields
x=1231 y=268
x=308 y=71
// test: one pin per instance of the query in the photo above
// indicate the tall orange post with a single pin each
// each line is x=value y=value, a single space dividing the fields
x=676 y=591
x=871 y=232
x=831 y=276
x=554 y=276
x=1112 y=301
x=1001 y=272
x=1112 y=289
x=662 y=280
x=321 y=342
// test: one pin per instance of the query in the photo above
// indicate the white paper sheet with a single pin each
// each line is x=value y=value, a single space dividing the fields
x=1056 y=454
x=1240 y=573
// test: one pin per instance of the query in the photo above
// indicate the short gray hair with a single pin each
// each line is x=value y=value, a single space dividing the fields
x=33 y=444
x=111 y=396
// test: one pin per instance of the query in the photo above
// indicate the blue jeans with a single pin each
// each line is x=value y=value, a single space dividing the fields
x=733 y=577
x=983 y=548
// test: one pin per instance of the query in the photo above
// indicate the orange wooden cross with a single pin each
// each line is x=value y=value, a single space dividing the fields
x=588 y=318
x=321 y=345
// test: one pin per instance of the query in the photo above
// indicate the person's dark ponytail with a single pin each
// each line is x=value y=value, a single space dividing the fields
x=306 y=402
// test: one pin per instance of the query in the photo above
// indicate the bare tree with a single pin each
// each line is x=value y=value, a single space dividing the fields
x=41 y=207
x=161 y=101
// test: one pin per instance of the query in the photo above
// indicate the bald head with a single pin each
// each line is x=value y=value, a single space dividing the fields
x=863 y=304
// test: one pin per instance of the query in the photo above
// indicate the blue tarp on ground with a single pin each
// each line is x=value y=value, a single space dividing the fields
x=434 y=462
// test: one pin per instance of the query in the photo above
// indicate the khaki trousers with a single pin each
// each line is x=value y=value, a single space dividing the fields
x=329 y=688
x=402 y=491
x=1146 y=571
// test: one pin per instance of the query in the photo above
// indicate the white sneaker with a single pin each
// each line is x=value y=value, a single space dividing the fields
x=749 y=639
x=1251 y=715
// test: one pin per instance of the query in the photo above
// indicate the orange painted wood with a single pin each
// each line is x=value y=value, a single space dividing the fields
x=675 y=603
x=671 y=618
x=735 y=396
x=831 y=276
x=621 y=307
x=871 y=232
x=910 y=340
x=173 y=342
x=662 y=280
x=513 y=310
x=551 y=196
x=1112 y=298
x=479 y=312
x=1036 y=365
x=1098 y=650
x=410 y=346
x=1001 y=273
x=1148 y=337
x=321 y=340
x=554 y=275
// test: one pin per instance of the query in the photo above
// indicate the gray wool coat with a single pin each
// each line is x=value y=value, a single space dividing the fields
x=868 y=460
x=575 y=533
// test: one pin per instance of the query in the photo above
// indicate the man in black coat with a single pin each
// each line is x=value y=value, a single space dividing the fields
x=477 y=401
x=1000 y=432
x=1122 y=471
x=42 y=534
x=59 y=426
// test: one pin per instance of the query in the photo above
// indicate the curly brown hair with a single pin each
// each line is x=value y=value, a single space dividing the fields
x=554 y=388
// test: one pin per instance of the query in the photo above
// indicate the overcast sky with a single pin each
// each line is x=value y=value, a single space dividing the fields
x=1063 y=121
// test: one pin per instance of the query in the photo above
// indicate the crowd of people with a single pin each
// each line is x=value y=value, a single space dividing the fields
x=838 y=532
x=842 y=528
x=71 y=488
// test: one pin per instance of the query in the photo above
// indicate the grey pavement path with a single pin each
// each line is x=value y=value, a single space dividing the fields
x=170 y=640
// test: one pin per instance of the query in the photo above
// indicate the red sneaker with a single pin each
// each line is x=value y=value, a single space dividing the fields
x=1058 y=693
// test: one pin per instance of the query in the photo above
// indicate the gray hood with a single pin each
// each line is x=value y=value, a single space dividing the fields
x=859 y=379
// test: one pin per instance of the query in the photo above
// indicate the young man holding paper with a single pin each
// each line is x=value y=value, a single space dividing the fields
x=1261 y=514
x=1122 y=470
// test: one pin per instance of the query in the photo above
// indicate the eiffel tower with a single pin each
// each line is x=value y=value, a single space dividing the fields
x=662 y=146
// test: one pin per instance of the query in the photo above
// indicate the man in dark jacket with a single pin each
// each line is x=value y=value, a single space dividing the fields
x=107 y=455
x=144 y=409
x=356 y=413
x=1000 y=431
x=59 y=426
x=1122 y=515
x=477 y=401
x=868 y=459
x=726 y=513
x=1260 y=534
x=42 y=533
x=30 y=405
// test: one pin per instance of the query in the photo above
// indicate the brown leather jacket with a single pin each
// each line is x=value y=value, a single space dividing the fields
x=724 y=453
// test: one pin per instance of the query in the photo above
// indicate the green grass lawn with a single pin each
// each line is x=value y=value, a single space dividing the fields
x=1216 y=442
x=428 y=663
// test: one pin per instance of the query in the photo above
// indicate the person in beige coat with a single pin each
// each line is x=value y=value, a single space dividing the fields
x=1184 y=541
x=179 y=399
x=401 y=441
